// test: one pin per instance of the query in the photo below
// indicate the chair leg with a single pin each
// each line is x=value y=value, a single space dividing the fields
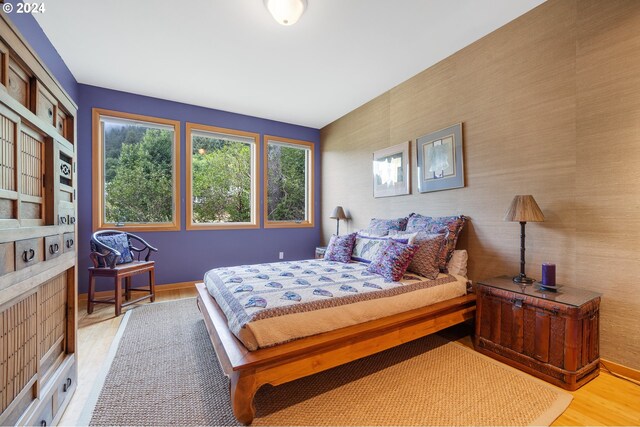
x=127 y=288
x=152 y=284
x=92 y=282
x=118 y=299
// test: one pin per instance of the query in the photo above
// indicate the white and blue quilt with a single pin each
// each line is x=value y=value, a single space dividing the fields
x=249 y=293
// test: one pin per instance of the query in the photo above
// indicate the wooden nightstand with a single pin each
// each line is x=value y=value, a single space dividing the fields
x=320 y=250
x=551 y=335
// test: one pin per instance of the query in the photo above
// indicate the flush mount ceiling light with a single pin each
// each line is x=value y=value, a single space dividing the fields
x=286 y=12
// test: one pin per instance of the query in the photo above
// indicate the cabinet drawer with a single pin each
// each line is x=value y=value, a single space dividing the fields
x=65 y=387
x=69 y=242
x=61 y=124
x=28 y=252
x=7 y=258
x=45 y=105
x=44 y=416
x=53 y=246
x=66 y=214
x=4 y=65
x=19 y=83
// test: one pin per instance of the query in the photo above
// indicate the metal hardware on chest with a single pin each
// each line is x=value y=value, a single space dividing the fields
x=28 y=255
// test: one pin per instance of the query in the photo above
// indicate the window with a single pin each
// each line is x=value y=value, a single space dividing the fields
x=222 y=187
x=136 y=169
x=288 y=182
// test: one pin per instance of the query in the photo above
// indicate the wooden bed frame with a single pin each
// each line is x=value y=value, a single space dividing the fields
x=249 y=370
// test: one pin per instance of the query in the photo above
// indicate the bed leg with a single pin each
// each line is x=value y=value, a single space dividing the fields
x=243 y=388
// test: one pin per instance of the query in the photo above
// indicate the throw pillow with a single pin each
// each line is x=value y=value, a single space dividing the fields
x=381 y=226
x=366 y=247
x=340 y=248
x=452 y=225
x=119 y=242
x=392 y=260
x=426 y=260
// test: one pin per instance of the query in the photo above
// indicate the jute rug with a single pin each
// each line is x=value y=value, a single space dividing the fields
x=165 y=372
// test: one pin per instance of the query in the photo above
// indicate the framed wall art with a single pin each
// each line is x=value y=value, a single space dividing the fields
x=391 y=171
x=440 y=162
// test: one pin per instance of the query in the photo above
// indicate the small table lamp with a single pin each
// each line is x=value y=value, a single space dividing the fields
x=338 y=214
x=523 y=209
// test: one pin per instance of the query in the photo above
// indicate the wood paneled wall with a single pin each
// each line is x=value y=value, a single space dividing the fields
x=550 y=105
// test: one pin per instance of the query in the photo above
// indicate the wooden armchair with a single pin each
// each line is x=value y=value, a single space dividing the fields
x=114 y=255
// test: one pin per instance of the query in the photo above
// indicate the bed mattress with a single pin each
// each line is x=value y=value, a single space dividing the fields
x=269 y=304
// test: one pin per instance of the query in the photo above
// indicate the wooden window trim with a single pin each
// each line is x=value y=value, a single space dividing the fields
x=255 y=223
x=98 y=173
x=311 y=187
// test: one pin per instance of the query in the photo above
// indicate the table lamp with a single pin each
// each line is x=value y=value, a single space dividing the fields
x=338 y=214
x=523 y=209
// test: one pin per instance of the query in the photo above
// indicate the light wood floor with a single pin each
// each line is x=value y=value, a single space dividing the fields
x=606 y=400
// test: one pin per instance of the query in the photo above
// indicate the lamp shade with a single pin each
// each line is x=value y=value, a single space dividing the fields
x=286 y=12
x=524 y=209
x=338 y=213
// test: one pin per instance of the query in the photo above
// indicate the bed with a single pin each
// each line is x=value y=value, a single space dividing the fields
x=274 y=323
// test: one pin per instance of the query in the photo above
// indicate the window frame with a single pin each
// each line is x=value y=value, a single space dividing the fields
x=99 y=222
x=310 y=184
x=255 y=199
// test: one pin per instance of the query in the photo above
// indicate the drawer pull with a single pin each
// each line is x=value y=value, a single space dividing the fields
x=518 y=302
x=72 y=220
x=67 y=385
x=43 y=423
x=63 y=220
x=28 y=256
x=69 y=243
x=54 y=249
x=50 y=112
x=555 y=310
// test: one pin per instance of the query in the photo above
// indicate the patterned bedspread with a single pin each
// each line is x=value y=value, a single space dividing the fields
x=249 y=293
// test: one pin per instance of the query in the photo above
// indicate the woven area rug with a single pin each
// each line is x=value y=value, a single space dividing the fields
x=165 y=372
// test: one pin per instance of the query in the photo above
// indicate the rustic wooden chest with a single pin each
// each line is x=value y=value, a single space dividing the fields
x=552 y=335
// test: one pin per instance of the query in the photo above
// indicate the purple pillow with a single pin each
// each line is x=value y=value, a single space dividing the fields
x=450 y=225
x=340 y=248
x=381 y=227
x=392 y=260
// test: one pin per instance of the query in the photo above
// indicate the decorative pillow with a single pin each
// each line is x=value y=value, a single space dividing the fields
x=372 y=232
x=119 y=242
x=366 y=247
x=384 y=225
x=340 y=248
x=452 y=225
x=426 y=260
x=392 y=260
x=458 y=263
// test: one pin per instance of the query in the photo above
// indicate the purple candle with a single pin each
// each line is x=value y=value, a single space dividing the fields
x=548 y=274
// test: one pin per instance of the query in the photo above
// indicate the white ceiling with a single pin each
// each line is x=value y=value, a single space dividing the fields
x=231 y=55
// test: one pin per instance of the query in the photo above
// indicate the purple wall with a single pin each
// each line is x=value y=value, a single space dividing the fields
x=33 y=34
x=183 y=255
x=186 y=255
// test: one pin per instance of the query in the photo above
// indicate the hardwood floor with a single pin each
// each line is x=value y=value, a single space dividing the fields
x=606 y=400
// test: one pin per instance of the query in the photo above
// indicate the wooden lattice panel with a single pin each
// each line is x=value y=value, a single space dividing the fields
x=53 y=306
x=7 y=154
x=19 y=348
x=32 y=158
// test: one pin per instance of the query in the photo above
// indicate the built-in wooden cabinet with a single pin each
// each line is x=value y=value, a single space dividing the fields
x=38 y=280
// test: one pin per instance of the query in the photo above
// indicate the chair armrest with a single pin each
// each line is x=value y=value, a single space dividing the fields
x=146 y=247
x=94 y=256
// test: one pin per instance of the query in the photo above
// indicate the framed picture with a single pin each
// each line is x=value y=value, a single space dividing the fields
x=440 y=162
x=391 y=174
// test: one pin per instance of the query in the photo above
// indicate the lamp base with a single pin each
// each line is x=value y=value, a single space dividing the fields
x=523 y=279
